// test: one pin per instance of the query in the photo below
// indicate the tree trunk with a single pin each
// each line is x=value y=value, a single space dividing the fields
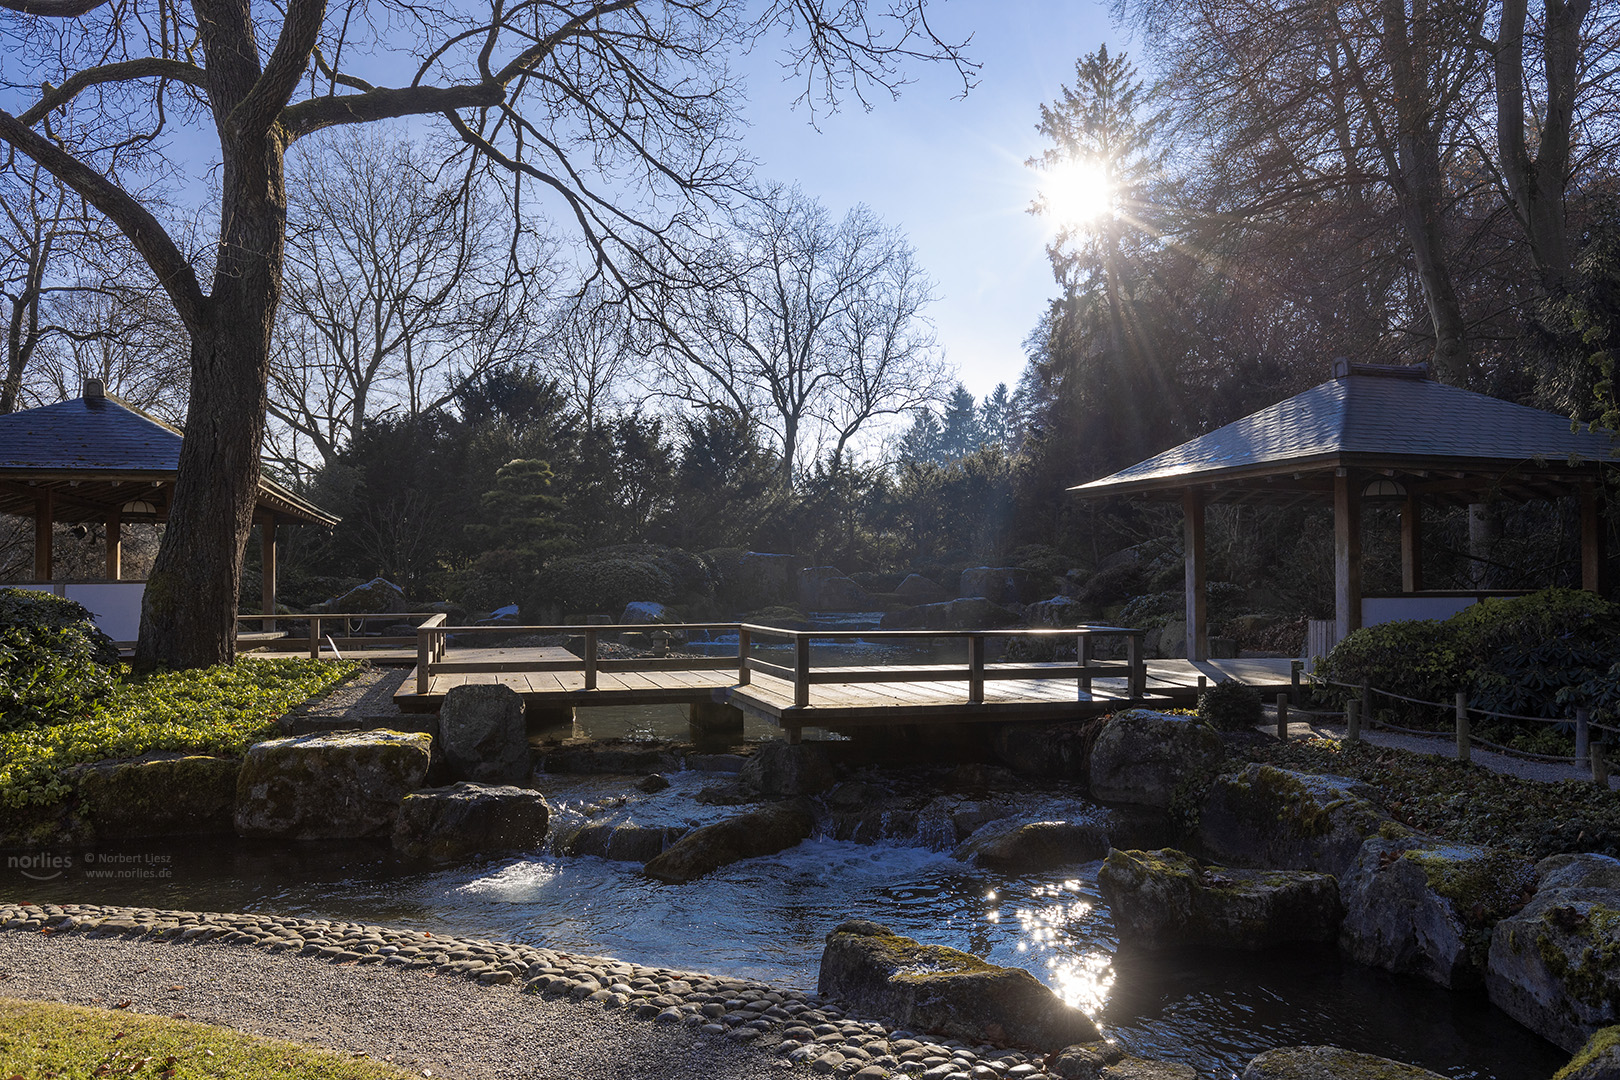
x=188 y=614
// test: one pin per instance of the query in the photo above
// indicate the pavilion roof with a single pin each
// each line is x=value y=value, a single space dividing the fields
x=98 y=453
x=1384 y=419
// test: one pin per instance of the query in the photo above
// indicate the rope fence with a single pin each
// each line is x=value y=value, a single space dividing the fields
x=1358 y=707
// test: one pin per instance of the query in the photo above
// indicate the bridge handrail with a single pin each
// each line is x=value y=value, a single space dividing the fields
x=433 y=634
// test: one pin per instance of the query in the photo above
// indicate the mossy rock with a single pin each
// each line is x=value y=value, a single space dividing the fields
x=1418 y=906
x=937 y=989
x=338 y=786
x=1167 y=899
x=165 y=795
x=1266 y=816
x=703 y=851
x=1555 y=966
x=1329 y=1063
x=1599 y=1059
x=1143 y=758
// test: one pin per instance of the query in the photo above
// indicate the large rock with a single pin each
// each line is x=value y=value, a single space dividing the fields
x=1142 y=757
x=1599 y=1059
x=1059 y=751
x=997 y=584
x=623 y=842
x=1416 y=906
x=645 y=612
x=825 y=588
x=764 y=578
x=1329 y=1063
x=1023 y=847
x=1057 y=611
x=321 y=787
x=916 y=589
x=378 y=596
x=936 y=989
x=483 y=735
x=1266 y=816
x=747 y=836
x=1555 y=966
x=781 y=768
x=970 y=613
x=159 y=796
x=1166 y=899
x=464 y=819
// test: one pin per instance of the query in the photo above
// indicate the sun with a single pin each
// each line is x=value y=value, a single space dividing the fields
x=1077 y=193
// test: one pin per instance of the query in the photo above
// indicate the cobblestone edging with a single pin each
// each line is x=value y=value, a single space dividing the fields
x=797 y=1027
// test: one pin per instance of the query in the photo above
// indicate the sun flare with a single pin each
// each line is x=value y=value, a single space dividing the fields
x=1077 y=193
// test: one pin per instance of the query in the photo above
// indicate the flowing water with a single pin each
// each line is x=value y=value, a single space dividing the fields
x=766 y=918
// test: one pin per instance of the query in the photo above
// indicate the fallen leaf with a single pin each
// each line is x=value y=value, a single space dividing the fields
x=177 y=989
x=126 y=1003
x=178 y=1016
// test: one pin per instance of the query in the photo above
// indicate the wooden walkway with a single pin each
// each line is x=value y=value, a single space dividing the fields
x=838 y=697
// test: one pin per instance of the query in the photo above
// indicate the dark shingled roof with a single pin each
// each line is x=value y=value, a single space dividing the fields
x=99 y=438
x=88 y=433
x=1390 y=418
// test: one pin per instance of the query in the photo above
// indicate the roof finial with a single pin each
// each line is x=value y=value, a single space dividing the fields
x=94 y=389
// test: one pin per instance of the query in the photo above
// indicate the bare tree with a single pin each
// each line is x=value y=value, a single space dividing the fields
x=816 y=329
x=401 y=287
x=596 y=106
x=590 y=350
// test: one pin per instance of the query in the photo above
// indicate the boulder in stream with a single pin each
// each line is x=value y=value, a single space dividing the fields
x=1599 y=1059
x=746 y=836
x=933 y=988
x=622 y=842
x=1143 y=757
x=1266 y=816
x=464 y=819
x=1024 y=847
x=483 y=734
x=1167 y=899
x=1329 y=1063
x=780 y=768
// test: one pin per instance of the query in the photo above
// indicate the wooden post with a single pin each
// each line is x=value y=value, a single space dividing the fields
x=424 y=660
x=115 y=545
x=590 y=658
x=976 y=669
x=801 y=670
x=267 y=566
x=44 y=520
x=745 y=645
x=1346 y=552
x=1282 y=717
x=1136 y=668
x=1352 y=720
x=1412 y=543
x=1203 y=684
x=314 y=637
x=1082 y=655
x=1583 y=736
x=1192 y=512
x=1600 y=764
x=1295 y=667
x=1594 y=557
x=1464 y=747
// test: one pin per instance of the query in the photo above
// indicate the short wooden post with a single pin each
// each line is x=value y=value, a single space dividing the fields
x=1295 y=668
x=1583 y=736
x=1464 y=747
x=1203 y=684
x=314 y=637
x=1136 y=683
x=801 y=670
x=590 y=659
x=1600 y=764
x=1369 y=715
x=1082 y=654
x=745 y=645
x=1352 y=721
x=1282 y=717
x=975 y=669
x=424 y=660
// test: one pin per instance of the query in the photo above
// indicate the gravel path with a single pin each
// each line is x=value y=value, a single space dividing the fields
x=428 y=1023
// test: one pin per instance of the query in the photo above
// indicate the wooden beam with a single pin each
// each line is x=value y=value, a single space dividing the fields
x=1347 y=552
x=44 y=518
x=1594 y=554
x=1192 y=509
x=1412 y=543
x=115 y=546
x=267 y=565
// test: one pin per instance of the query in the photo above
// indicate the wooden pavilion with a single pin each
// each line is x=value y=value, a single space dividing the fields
x=1376 y=432
x=98 y=459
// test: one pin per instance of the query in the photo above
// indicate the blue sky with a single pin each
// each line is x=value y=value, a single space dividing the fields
x=948 y=170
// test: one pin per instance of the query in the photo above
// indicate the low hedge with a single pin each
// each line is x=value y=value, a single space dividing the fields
x=219 y=710
x=54 y=663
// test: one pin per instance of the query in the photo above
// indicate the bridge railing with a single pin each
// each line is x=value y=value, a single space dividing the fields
x=333 y=627
x=802 y=674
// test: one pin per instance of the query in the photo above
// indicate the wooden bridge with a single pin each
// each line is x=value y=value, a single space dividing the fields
x=799 y=693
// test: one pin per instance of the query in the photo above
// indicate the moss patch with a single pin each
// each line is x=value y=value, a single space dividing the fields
x=1602 y=1042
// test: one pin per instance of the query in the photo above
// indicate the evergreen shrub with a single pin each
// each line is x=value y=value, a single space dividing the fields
x=54 y=664
x=1230 y=705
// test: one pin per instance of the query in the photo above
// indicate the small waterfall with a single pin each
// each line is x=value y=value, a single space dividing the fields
x=935 y=829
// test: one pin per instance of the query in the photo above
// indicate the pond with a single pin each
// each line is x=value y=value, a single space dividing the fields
x=766 y=918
